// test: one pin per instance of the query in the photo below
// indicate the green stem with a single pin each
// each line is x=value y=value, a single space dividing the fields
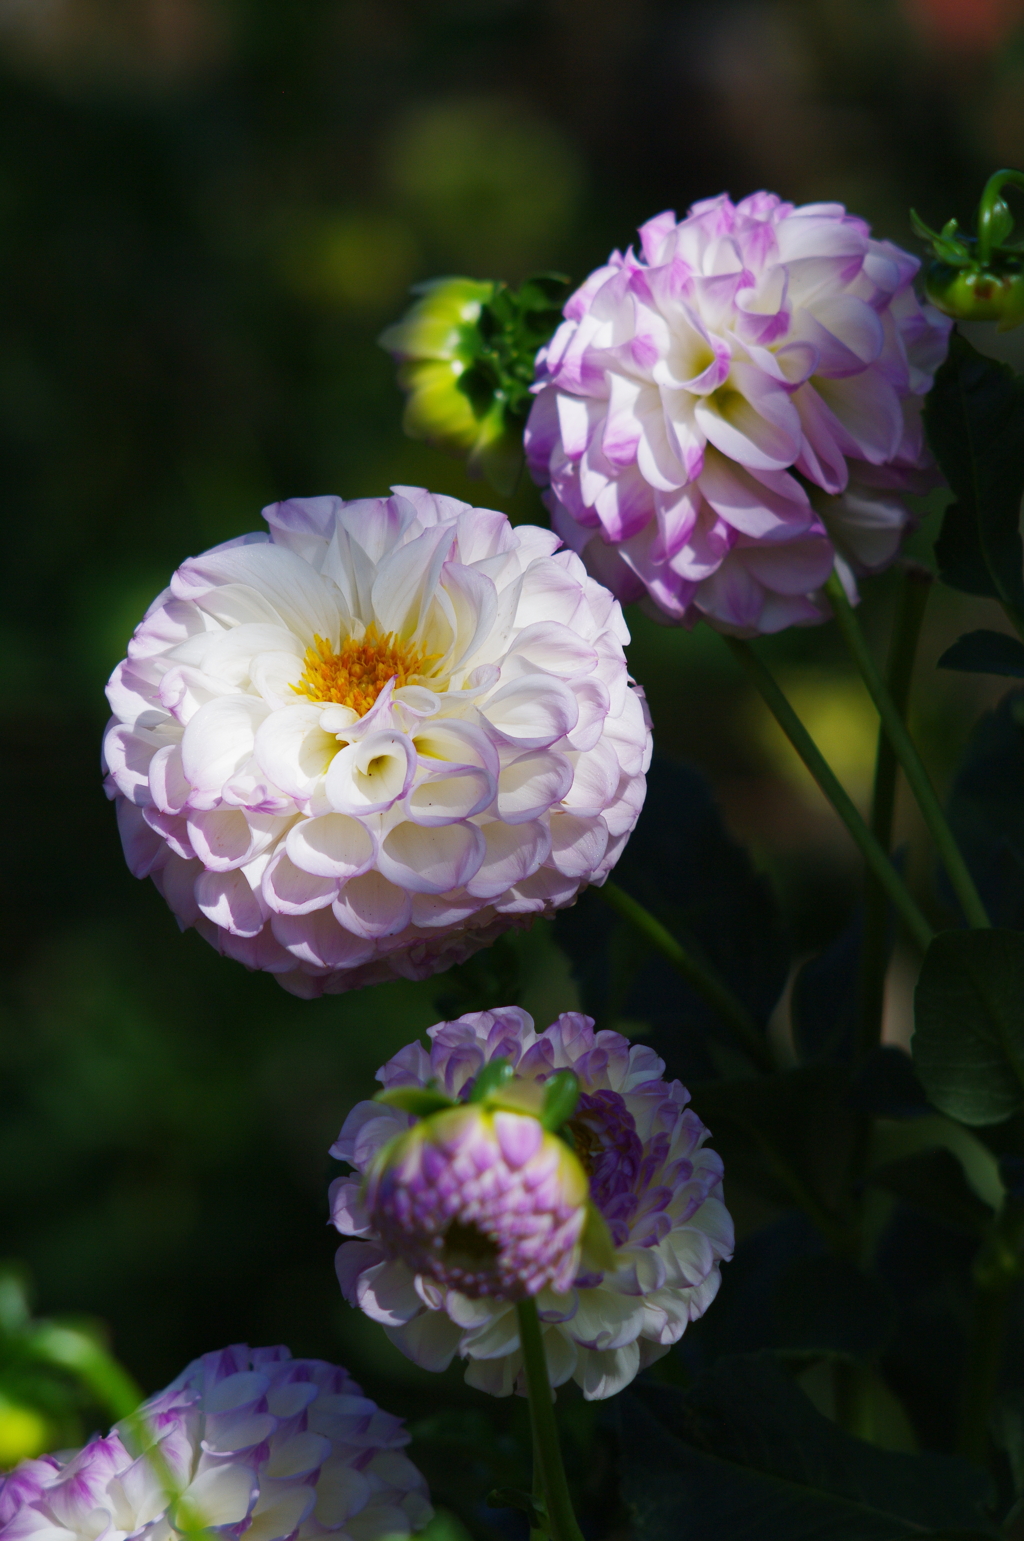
x=906 y=752
x=910 y=607
x=703 y=979
x=984 y=1360
x=561 y=1519
x=837 y=795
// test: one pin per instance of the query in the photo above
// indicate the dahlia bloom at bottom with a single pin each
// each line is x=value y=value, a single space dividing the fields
x=248 y=1442
x=651 y=1176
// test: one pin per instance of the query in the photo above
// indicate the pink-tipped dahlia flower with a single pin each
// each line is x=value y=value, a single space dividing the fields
x=652 y=1179
x=245 y=1443
x=722 y=417
x=365 y=744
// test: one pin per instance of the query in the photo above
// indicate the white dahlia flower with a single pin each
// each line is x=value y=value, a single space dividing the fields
x=724 y=416
x=368 y=742
x=245 y=1443
x=654 y=1181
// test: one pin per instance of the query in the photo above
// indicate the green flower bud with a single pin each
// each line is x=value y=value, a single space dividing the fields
x=465 y=354
x=978 y=278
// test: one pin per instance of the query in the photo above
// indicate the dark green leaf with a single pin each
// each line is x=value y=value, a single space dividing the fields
x=933 y=1180
x=785 y=1138
x=986 y=652
x=745 y=1455
x=975 y=421
x=986 y=810
x=825 y=1305
x=968 y=1042
x=886 y=1085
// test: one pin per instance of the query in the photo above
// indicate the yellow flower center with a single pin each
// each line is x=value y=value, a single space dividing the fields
x=356 y=675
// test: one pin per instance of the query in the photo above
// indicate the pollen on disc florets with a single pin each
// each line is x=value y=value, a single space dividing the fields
x=358 y=672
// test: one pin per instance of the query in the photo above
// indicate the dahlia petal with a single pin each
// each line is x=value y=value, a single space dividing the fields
x=370 y=906
x=290 y=891
x=577 y=845
x=604 y=1373
x=430 y=1340
x=333 y=845
x=762 y=507
x=293 y=750
x=219 y=739
x=431 y=859
x=530 y=784
x=144 y=851
x=534 y=711
x=867 y=415
x=513 y=852
x=228 y=901
x=444 y=799
x=371 y=775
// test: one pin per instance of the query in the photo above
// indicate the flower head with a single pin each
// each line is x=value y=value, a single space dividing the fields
x=722 y=417
x=652 y=1180
x=247 y=1442
x=483 y=1200
x=366 y=744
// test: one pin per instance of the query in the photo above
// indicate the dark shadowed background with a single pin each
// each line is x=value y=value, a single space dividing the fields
x=208 y=210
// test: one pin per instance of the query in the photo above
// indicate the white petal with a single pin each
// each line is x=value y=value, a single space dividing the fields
x=370 y=776
x=529 y=785
x=577 y=845
x=534 y=711
x=290 y=891
x=513 y=852
x=296 y=1456
x=602 y=1374
x=444 y=797
x=282 y=1515
x=221 y=1495
x=219 y=739
x=333 y=845
x=431 y=860
x=370 y=906
x=293 y=750
x=227 y=900
x=318 y=938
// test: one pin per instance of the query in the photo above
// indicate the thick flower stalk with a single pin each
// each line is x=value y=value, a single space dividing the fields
x=247 y=1442
x=366 y=744
x=652 y=1180
x=724 y=416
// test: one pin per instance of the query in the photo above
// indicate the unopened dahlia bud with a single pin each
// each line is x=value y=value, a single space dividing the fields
x=434 y=344
x=248 y=1442
x=465 y=353
x=980 y=277
x=656 y=1233
x=729 y=412
x=482 y=1200
x=364 y=745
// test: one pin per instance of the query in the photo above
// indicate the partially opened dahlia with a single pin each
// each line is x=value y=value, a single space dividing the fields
x=365 y=744
x=245 y=1443
x=723 y=416
x=654 y=1182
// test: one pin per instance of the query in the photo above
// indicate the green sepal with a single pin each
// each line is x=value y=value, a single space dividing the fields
x=421 y=1101
x=597 y=1253
x=491 y=1079
x=561 y=1094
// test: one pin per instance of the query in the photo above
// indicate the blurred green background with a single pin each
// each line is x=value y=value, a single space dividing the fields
x=208 y=210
